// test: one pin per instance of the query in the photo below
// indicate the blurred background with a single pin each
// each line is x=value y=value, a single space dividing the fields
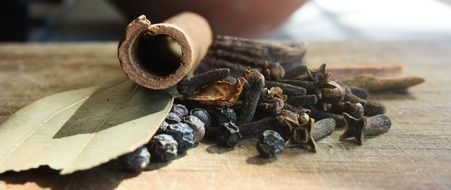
x=300 y=20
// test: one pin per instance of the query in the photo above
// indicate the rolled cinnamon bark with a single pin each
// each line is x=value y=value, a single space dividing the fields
x=158 y=56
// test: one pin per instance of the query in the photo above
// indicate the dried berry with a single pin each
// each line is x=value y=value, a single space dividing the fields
x=137 y=160
x=225 y=115
x=183 y=134
x=163 y=126
x=173 y=118
x=163 y=148
x=202 y=115
x=196 y=125
x=270 y=144
x=180 y=110
x=229 y=134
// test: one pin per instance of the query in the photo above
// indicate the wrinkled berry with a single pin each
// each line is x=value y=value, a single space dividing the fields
x=225 y=115
x=173 y=118
x=163 y=148
x=196 y=125
x=163 y=126
x=202 y=115
x=137 y=160
x=180 y=110
x=270 y=144
x=183 y=134
x=229 y=134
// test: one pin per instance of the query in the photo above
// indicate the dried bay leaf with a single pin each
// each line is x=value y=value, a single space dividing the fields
x=80 y=129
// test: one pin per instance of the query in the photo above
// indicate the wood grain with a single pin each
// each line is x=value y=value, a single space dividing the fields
x=414 y=154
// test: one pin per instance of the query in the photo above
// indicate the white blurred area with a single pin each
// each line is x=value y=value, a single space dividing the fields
x=339 y=20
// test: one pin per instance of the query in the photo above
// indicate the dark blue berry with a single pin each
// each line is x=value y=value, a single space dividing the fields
x=226 y=115
x=202 y=115
x=229 y=134
x=173 y=118
x=163 y=126
x=270 y=144
x=180 y=110
x=196 y=125
x=163 y=148
x=137 y=160
x=183 y=134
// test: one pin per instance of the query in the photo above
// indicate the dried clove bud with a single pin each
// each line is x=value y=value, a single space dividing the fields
x=356 y=128
x=297 y=110
x=373 y=108
x=287 y=89
x=318 y=115
x=257 y=127
x=310 y=86
x=270 y=107
x=359 y=128
x=295 y=72
x=377 y=125
x=189 y=86
x=358 y=91
x=304 y=101
x=251 y=97
x=323 y=128
x=354 y=109
x=210 y=63
x=332 y=95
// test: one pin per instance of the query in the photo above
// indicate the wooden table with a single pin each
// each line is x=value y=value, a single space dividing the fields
x=414 y=154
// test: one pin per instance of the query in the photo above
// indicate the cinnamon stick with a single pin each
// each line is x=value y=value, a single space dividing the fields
x=158 y=56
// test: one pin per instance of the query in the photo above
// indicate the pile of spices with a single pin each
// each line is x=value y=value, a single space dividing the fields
x=253 y=89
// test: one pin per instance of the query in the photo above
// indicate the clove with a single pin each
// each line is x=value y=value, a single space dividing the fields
x=252 y=95
x=318 y=115
x=323 y=128
x=189 y=86
x=287 y=89
x=377 y=125
x=304 y=101
x=356 y=128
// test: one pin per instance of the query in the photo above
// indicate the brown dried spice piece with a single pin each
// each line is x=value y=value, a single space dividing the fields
x=375 y=84
x=301 y=133
x=188 y=86
x=251 y=95
x=220 y=93
x=356 y=128
x=277 y=92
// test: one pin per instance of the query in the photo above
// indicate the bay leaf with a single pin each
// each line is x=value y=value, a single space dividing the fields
x=81 y=129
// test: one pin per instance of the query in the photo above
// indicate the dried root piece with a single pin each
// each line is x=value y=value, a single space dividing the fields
x=375 y=84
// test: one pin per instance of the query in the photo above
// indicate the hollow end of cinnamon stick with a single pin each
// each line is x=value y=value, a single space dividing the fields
x=158 y=56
